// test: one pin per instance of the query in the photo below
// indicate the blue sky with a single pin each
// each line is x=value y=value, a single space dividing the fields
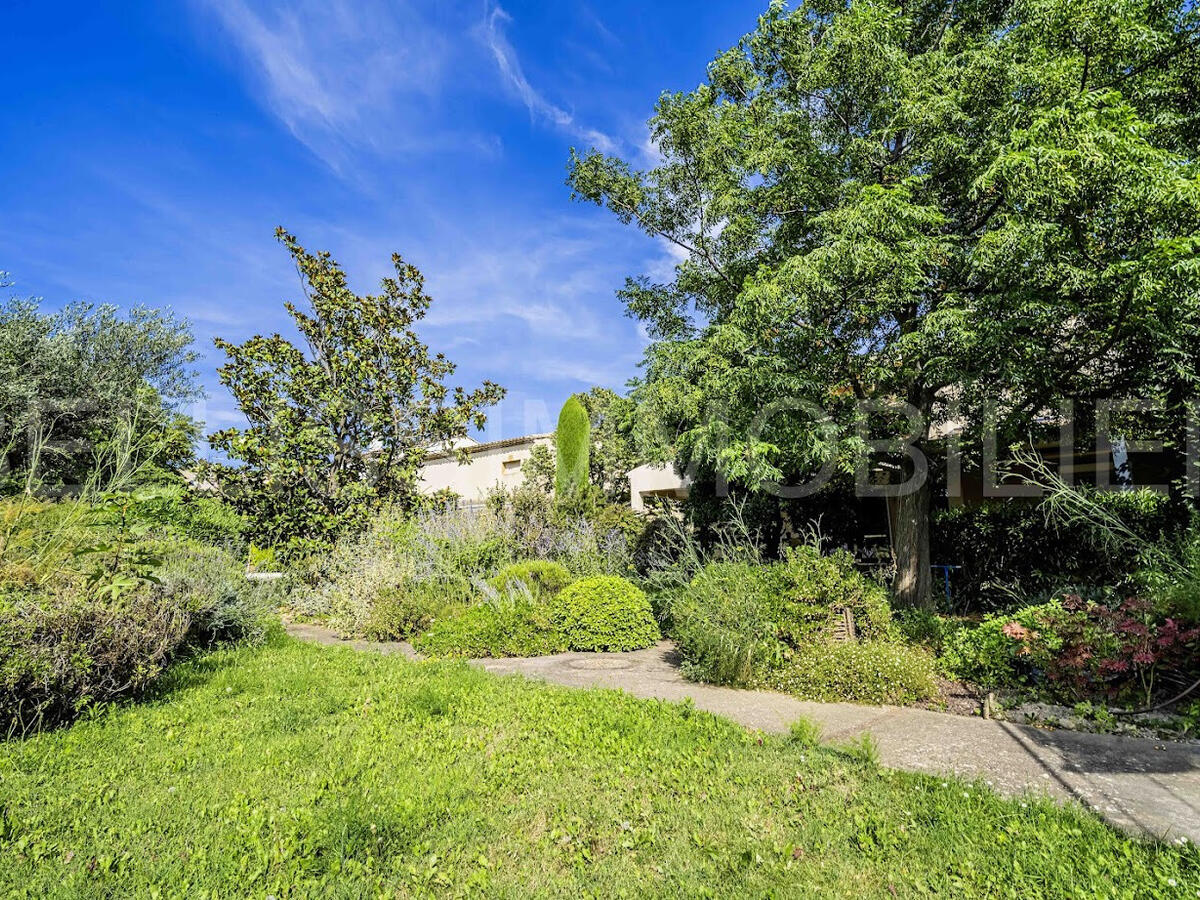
x=149 y=149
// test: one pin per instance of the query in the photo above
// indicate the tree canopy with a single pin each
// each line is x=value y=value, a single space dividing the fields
x=967 y=207
x=70 y=378
x=343 y=423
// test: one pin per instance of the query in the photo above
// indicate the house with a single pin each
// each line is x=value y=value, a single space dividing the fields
x=501 y=463
x=490 y=464
x=652 y=480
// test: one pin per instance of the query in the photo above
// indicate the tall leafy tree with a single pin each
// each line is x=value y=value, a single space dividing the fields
x=971 y=208
x=72 y=378
x=344 y=422
x=613 y=451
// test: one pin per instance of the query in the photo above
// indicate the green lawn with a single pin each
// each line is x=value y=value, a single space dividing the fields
x=293 y=770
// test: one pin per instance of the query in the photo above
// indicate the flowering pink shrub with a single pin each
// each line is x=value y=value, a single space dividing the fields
x=1116 y=651
x=1073 y=649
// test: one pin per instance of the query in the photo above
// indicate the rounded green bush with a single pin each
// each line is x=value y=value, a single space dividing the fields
x=604 y=613
x=543 y=577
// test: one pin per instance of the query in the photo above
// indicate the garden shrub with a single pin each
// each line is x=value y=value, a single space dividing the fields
x=991 y=654
x=401 y=612
x=359 y=568
x=472 y=557
x=96 y=598
x=66 y=647
x=544 y=578
x=724 y=622
x=209 y=584
x=604 y=612
x=737 y=620
x=884 y=672
x=1174 y=583
x=64 y=652
x=510 y=626
x=928 y=629
x=1007 y=549
x=750 y=624
x=816 y=586
x=194 y=516
x=1078 y=649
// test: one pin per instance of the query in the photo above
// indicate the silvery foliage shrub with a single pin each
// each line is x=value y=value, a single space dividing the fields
x=511 y=527
x=449 y=546
x=210 y=585
x=357 y=570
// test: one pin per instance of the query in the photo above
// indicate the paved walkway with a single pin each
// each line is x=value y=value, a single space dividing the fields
x=1142 y=785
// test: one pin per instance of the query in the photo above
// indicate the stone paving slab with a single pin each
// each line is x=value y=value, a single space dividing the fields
x=1145 y=786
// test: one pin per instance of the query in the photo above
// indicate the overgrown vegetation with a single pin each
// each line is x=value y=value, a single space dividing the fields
x=1006 y=551
x=480 y=582
x=98 y=597
x=784 y=625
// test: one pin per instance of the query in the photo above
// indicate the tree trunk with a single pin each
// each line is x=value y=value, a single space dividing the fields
x=914 y=583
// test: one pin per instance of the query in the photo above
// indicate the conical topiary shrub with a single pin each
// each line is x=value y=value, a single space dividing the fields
x=572 y=441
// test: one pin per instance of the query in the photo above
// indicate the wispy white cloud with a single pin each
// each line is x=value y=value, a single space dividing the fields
x=613 y=372
x=590 y=16
x=493 y=30
x=347 y=75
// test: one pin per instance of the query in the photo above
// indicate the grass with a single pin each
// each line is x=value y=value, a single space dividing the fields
x=292 y=770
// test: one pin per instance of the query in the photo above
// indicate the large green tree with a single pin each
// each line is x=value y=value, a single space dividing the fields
x=73 y=378
x=343 y=423
x=965 y=206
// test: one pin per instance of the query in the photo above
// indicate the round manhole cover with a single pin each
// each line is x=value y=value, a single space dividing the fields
x=601 y=662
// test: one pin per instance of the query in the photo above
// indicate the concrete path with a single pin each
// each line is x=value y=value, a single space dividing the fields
x=1151 y=787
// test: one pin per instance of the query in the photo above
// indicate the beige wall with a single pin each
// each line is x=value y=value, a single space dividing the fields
x=654 y=481
x=498 y=463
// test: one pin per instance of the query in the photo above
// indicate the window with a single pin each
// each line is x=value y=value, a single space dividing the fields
x=511 y=466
